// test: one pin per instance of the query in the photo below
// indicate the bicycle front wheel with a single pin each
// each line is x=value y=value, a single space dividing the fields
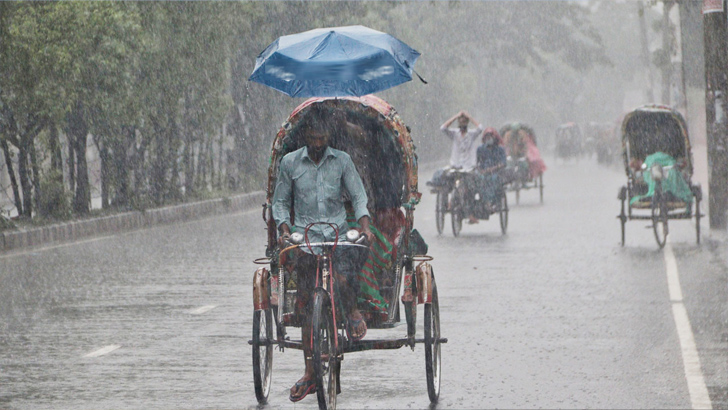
x=440 y=210
x=659 y=220
x=325 y=353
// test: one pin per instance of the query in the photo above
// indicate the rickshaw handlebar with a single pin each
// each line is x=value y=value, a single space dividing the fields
x=323 y=244
x=352 y=238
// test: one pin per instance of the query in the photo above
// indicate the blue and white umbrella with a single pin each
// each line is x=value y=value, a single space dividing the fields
x=335 y=62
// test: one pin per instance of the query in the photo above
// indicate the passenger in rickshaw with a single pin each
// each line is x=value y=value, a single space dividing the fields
x=464 y=150
x=314 y=178
x=520 y=142
x=663 y=148
x=491 y=159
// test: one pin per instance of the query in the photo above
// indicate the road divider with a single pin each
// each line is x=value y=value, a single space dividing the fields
x=127 y=221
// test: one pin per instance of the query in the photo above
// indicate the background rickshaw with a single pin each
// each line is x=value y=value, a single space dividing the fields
x=604 y=137
x=525 y=166
x=568 y=141
x=452 y=197
x=375 y=137
x=658 y=163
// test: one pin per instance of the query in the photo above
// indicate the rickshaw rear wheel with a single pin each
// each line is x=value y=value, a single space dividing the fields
x=622 y=217
x=697 y=219
x=440 y=210
x=504 y=213
x=659 y=220
x=325 y=353
x=262 y=353
x=433 y=358
x=540 y=186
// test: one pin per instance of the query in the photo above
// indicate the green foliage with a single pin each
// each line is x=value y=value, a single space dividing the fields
x=160 y=80
x=53 y=203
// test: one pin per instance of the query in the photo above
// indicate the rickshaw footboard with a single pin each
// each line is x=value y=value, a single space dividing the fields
x=362 y=345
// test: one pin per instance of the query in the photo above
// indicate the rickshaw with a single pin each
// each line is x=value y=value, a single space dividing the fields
x=396 y=271
x=452 y=197
x=525 y=167
x=658 y=164
x=568 y=139
x=606 y=143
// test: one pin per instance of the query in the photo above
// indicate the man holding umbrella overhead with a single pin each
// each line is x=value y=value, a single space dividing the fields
x=327 y=62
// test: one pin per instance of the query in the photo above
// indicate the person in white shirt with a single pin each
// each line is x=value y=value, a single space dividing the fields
x=465 y=143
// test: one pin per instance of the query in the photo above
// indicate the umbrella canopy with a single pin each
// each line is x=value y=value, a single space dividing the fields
x=335 y=62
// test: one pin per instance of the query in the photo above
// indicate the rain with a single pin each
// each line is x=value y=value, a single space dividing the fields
x=586 y=269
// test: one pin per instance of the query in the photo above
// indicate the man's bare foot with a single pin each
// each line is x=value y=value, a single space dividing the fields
x=357 y=328
x=472 y=220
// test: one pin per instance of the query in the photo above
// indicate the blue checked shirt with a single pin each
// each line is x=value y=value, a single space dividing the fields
x=318 y=190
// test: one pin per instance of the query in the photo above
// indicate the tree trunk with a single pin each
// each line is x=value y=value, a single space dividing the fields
x=82 y=199
x=174 y=141
x=71 y=163
x=237 y=125
x=78 y=131
x=35 y=167
x=189 y=164
x=54 y=145
x=11 y=174
x=159 y=163
x=121 y=165
x=141 y=172
x=220 y=157
x=25 y=185
x=211 y=160
x=105 y=172
x=202 y=166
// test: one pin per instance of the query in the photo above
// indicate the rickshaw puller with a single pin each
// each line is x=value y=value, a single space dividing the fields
x=315 y=177
x=464 y=147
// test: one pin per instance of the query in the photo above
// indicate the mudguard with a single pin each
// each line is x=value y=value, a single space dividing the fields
x=261 y=295
x=425 y=281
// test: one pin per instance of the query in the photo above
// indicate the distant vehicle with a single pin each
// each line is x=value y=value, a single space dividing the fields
x=525 y=167
x=605 y=140
x=658 y=163
x=568 y=139
x=453 y=198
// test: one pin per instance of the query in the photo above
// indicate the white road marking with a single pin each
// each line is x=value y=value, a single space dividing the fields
x=673 y=278
x=203 y=309
x=104 y=350
x=691 y=361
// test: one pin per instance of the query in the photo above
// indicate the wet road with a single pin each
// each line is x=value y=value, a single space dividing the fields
x=554 y=314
